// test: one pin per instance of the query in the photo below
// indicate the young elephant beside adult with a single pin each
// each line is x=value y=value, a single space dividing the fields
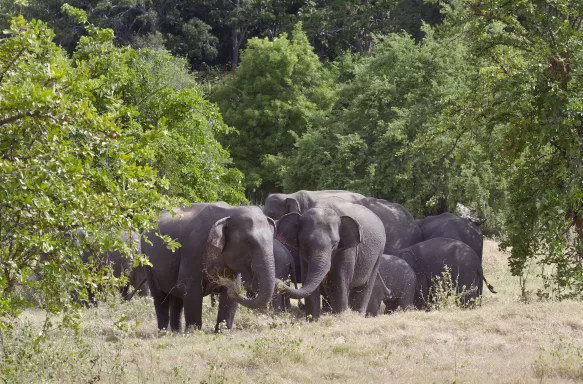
x=284 y=269
x=429 y=258
x=400 y=227
x=217 y=240
x=453 y=227
x=279 y=204
x=395 y=286
x=340 y=245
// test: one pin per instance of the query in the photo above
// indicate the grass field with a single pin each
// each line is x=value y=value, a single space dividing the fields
x=503 y=341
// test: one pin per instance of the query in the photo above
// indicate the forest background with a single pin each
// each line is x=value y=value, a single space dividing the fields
x=111 y=110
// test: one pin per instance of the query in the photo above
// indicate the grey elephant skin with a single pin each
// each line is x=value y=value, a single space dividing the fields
x=284 y=269
x=340 y=245
x=216 y=240
x=395 y=286
x=429 y=258
x=400 y=228
x=453 y=227
x=279 y=204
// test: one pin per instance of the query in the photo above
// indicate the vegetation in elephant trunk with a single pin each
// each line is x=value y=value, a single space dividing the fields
x=263 y=268
x=317 y=268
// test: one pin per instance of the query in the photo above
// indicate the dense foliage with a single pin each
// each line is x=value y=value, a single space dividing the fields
x=101 y=141
x=279 y=90
x=102 y=125
x=528 y=99
x=211 y=33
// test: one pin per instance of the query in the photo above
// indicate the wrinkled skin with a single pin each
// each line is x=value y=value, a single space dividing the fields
x=395 y=286
x=400 y=227
x=216 y=240
x=340 y=245
x=428 y=259
x=279 y=204
x=452 y=227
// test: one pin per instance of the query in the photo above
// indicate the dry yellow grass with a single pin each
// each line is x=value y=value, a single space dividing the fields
x=503 y=341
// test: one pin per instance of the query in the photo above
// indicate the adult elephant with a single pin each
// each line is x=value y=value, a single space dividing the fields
x=400 y=228
x=395 y=285
x=279 y=204
x=429 y=258
x=340 y=245
x=216 y=240
x=452 y=227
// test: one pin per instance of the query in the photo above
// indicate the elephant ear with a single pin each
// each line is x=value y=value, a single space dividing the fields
x=292 y=205
x=350 y=233
x=216 y=239
x=287 y=229
x=272 y=225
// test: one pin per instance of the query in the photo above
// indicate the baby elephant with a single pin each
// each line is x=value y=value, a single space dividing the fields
x=395 y=286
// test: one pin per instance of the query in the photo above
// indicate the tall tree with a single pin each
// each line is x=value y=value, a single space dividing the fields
x=528 y=97
x=279 y=89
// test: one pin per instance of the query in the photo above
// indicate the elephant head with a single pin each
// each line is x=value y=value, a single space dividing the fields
x=319 y=235
x=278 y=204
x=242 y=244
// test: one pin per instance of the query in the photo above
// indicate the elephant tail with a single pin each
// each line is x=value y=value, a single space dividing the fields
x=490 y=287
x=387 y=292
x=131 y=294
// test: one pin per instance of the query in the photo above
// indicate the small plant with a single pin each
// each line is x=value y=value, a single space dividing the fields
x=215 y=374
x=444 y=292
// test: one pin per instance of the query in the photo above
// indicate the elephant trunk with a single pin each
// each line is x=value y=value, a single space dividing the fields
x=264 y=268
x=316 y=272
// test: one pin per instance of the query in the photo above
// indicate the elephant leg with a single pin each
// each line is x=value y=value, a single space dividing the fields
x=286 y=303
x=277 y=302
x=359 y=297
x=227 y=310
x=312 y=306
x=338 y=296
x=391 y=306
x=176 y=305
x=407 y=300
x=193 y=309
x=162 y=307
x=374 y=304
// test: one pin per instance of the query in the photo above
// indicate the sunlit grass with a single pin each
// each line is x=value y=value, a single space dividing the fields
x=503 y=341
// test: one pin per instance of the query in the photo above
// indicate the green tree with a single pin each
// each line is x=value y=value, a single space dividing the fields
x=279 y=90
x=375 y=141
x=161 y=96
x=527 y=99
x=64 y=164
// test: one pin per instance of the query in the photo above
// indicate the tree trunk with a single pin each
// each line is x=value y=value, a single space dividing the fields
x=235 y=43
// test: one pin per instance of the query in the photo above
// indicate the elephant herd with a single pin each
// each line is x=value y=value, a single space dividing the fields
x=346 y=250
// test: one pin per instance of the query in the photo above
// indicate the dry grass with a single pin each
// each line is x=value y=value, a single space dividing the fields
x=503 y=341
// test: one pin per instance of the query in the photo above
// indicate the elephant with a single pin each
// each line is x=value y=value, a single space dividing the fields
x=215 y=240
x=119 y=263
x=400 y=227
x=340 y=245
x=395 y=285
x=279 y=204
x=453 y=227
x=430 y=257
x=284 y=269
